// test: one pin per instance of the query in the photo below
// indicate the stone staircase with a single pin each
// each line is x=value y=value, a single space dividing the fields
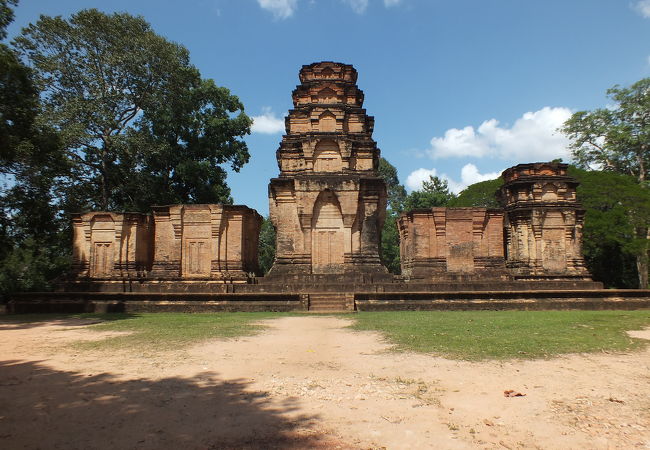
x=330 y=302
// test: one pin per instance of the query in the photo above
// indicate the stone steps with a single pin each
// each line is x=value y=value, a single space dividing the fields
x=327 y=302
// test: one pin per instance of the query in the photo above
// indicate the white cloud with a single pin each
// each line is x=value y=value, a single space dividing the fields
x=417 y=177
x=281 y=9
x=358 y=6
x=643 y=8
x=469 y=174
x=533 y=137
x=267 y=123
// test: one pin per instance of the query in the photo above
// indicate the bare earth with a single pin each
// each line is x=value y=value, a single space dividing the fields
x=308 y=382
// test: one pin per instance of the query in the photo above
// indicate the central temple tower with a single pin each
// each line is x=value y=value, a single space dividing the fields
x=328 y=205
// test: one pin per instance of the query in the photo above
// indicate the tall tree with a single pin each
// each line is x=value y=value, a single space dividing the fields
x=389 y=234
x=617 y=139
x=32 y=239
x=125 y=100
x=434 y=192
x=18 y=100
x=616 y=206
x=266 y=246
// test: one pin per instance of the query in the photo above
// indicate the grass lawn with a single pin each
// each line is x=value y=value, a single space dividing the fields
x=159 y=331
x=476 y=335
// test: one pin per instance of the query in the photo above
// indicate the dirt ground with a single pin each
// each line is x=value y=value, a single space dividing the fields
x=308 y=382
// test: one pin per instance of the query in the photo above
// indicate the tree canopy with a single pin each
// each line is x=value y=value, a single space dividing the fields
x=434 y=192
x=615 y=206
x=482 y=194
x=128 y=105
x=617 y=139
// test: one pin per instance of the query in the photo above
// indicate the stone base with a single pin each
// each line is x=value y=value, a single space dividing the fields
x=605 y=299
x=107 y=302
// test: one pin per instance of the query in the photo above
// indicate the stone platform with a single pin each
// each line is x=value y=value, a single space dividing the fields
x=327 y=294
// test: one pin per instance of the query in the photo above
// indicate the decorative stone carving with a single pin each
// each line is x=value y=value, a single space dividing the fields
x=328 y=204
x=184 y=242
x=110 y=245
x=439 y=241
x=217 y=242
x=543 y=222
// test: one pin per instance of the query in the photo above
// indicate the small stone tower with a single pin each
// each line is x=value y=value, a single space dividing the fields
x=328 y=204
x=543 y=222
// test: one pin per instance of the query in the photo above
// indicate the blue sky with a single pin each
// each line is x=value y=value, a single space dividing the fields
x=459 y=88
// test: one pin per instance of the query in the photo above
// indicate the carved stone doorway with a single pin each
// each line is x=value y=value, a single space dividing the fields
x=327 y=235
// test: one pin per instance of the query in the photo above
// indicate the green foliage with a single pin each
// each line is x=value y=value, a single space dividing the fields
x=266 y=246
x=18 y=107
x=615 y=138
x=389 y=247
x=482 y=194
x=6 y=15
x=31 y=266
x=434 y=192
x=477 y=335
x=616 y=207
x=396 y=191
x=390 y=244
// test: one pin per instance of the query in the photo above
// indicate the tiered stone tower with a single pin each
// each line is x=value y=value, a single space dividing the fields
x=328 y=204
x=543 y=222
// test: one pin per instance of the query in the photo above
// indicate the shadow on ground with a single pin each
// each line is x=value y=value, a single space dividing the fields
x=26 y=321
x=45 y=408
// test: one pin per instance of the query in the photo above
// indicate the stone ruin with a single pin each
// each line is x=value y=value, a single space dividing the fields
x=537 y=235
x=328 y=207
x=179 y=242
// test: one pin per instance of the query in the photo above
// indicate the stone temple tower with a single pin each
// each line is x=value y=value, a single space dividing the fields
x=328 y=205
x=543 y=222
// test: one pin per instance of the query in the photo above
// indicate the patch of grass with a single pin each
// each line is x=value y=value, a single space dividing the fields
x=477 y=335
x=162 y=331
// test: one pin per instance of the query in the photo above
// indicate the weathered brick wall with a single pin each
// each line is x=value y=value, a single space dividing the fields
x=440 y=241
x=211 y=241
x=537 y=235
x=107 y=244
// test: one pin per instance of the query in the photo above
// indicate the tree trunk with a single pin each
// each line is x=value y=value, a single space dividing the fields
x=642 y=268
x=104 y=199
x=103 y=174
x=642 y=260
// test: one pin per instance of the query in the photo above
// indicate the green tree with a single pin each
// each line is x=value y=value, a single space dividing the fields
x=396 y=191
x=266 y=246
x=18 y=100
x=482 y=194
x=615 y=206
x=617 y=139
x=389 y=234
x=435 y=192
x=128 y=105
x=6 y=16
x=33 y=244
